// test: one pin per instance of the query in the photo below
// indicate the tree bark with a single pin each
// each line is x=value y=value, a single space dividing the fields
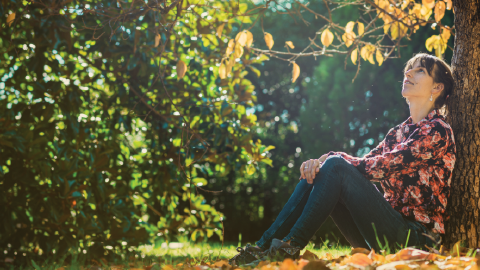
x=463 y=206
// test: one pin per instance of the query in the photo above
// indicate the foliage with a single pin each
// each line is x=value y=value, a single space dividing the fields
x=103 y=144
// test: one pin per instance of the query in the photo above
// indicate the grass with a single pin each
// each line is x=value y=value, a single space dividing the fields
x=158 y=258
x=211 y=252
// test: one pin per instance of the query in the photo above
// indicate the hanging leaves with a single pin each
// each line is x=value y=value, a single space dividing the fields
x=439 y=10
x=268 y=40
x=449 y=4
x=379 y=57
x=446 y=33
x=367 y=53
x=430 y=4
x=222 y=70
x=220 y=29
x=354 y=56
x=289 y=44
x=10 y=19
x=438 y=43
x=348 y=38
x=181 y=69
x=157 y=39
x=238 y=50
x=241 y=38
x=349 y=27
x=295 y=72
x=230 y=47
x=249 y=38
x=326 y=37
x=361 y=28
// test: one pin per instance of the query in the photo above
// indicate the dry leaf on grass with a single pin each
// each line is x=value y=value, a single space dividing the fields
x=307 y=255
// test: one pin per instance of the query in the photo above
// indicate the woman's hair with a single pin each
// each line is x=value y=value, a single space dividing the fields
x=441 y=72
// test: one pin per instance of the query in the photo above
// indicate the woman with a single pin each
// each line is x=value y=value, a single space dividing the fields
x=414 y=165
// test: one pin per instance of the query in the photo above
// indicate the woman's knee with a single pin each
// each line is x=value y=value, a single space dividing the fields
x=331 y=163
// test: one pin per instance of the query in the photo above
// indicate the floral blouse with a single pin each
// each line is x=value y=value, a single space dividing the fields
x=414 y=165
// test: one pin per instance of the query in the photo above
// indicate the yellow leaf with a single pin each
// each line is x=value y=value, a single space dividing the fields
x=295 y=72
x=430 y=4
x=241 y=38
x=249 y=39
x=268 y=40
x=361 y=28
x=449 y=4
x=181 y=69
x=326 y=37
x=348 y=38
x=289 y=44
x=157 y=39
x=222 y=70
x=425 y=13
x=379 y=57
x=431 y=41
x=367 y=53
x=446 y=33
x=354 y=56
x=220 y=29
x=349 y=27
x=439 y=10
x=386 y=27
x=230 y=64
x=10 y=19
x=394 y=31
x=406 y=3
x=238 y=50
x=250 y=169
x=230 y=47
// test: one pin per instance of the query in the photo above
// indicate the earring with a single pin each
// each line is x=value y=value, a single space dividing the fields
x=431 y=97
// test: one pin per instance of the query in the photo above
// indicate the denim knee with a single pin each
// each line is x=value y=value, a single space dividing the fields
x=331 y=163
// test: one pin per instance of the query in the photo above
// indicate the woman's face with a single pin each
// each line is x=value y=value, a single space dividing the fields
x=417 y=84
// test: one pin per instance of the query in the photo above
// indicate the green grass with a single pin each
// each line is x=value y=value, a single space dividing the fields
x=211 y=252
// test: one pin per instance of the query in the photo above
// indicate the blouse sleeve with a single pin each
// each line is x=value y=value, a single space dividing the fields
x=374 y=152
x=417 y=151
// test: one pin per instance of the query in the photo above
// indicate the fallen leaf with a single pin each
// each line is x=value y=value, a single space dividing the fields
x=360 y=259
x=307 y=255
x=402 y=267
x=249 y=39
x=220 y=29
x=326 y=37
x=10 y=18
x=439 y=10
x=268 y=40
x=220 y=263
x=290 y=44
x=181 y=69
x=288 y=264
x=359 y=249
x=168 y=267
x=157 y=39
x=301 y=263
x=316 y=265
x=295 y=72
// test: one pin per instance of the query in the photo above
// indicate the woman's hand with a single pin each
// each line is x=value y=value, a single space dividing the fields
x=310 y=168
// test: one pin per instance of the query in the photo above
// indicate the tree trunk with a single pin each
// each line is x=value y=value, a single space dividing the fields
x=464 y=203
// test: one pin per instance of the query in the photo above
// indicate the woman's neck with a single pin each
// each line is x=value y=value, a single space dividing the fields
x=419 y=110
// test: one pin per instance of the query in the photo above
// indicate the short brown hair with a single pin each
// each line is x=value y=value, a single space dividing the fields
x=440 y=71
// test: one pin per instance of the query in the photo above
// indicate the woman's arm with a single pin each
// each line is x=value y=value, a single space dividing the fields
x=418 y=150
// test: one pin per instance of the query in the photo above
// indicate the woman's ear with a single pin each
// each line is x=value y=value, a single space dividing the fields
x=438 y=88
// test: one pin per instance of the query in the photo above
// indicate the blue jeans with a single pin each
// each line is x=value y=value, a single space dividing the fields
x=339 y=190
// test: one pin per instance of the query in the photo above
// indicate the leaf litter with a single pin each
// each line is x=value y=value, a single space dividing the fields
x=359 y=258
